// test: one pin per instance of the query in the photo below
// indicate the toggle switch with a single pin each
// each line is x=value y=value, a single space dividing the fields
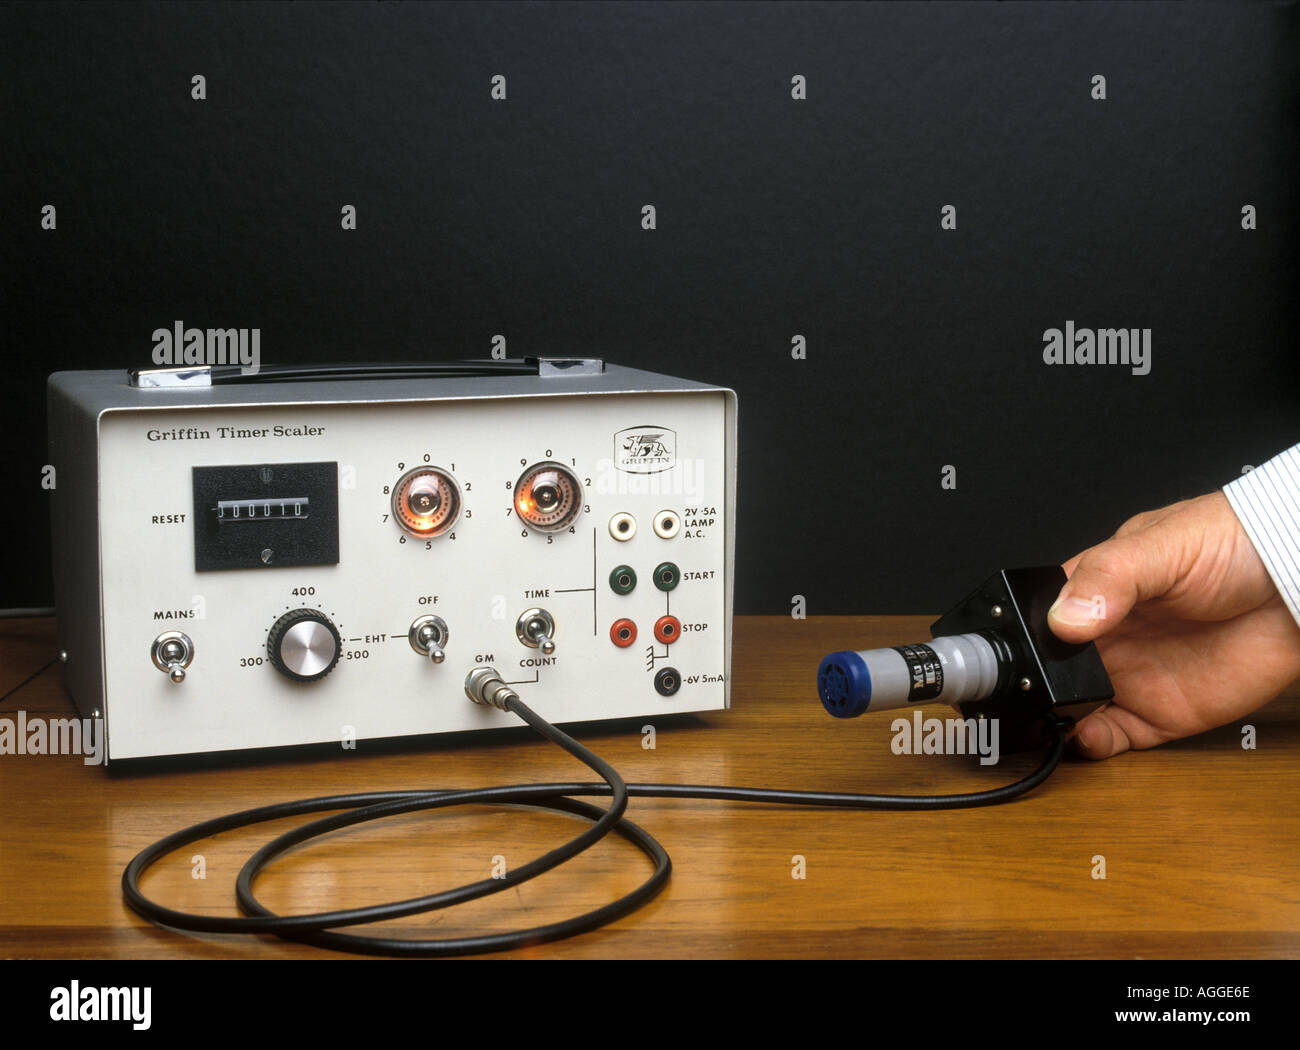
x=172 y=652
x=428 y=635
x=536 y=629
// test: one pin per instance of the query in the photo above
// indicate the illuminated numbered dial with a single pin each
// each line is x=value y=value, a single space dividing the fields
x=426 y=502
x=548 y=497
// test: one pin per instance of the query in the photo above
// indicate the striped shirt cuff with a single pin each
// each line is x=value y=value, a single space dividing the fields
x=1267 y=501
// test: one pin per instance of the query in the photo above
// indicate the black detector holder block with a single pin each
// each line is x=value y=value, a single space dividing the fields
x=1046 y=674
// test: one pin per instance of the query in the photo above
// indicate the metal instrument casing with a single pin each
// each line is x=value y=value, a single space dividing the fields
x=124 y=538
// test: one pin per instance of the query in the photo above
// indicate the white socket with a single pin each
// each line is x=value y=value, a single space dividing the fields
x=622 y=526
x=668 y=523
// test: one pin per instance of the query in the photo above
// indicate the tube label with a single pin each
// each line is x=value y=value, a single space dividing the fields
x=925 y=671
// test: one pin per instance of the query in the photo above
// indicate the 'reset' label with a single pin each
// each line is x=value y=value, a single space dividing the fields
x=925 y=670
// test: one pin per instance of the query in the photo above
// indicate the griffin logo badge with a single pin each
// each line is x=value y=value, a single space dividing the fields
x=645 y=449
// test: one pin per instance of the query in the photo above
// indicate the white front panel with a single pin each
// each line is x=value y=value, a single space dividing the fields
x=478 y=579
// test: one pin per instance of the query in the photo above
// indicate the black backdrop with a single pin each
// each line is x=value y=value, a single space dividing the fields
x=775 y=217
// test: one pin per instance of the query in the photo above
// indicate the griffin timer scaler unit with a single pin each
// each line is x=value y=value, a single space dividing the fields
x=308 y=555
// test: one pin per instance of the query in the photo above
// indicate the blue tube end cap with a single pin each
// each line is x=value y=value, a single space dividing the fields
x=844 y=684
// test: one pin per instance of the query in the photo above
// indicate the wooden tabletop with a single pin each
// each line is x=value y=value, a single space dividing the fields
x=1199 y=837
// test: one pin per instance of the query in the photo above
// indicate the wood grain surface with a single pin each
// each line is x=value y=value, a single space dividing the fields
x=1199 y=837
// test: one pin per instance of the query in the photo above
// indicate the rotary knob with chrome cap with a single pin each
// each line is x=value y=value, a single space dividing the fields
x=304 y=645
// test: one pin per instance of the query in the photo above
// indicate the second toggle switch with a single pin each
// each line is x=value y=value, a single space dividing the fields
x=536 y=629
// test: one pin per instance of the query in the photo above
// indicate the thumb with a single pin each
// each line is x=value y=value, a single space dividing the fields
x=1108 y=580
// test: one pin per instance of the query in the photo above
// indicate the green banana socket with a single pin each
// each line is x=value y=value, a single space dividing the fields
x=667 y=576
x=623 y=579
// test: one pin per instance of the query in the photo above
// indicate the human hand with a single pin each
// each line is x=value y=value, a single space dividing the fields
x=1191 y=628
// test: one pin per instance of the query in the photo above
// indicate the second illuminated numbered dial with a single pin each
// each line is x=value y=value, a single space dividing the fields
x=548 y=497
x=303 y=645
